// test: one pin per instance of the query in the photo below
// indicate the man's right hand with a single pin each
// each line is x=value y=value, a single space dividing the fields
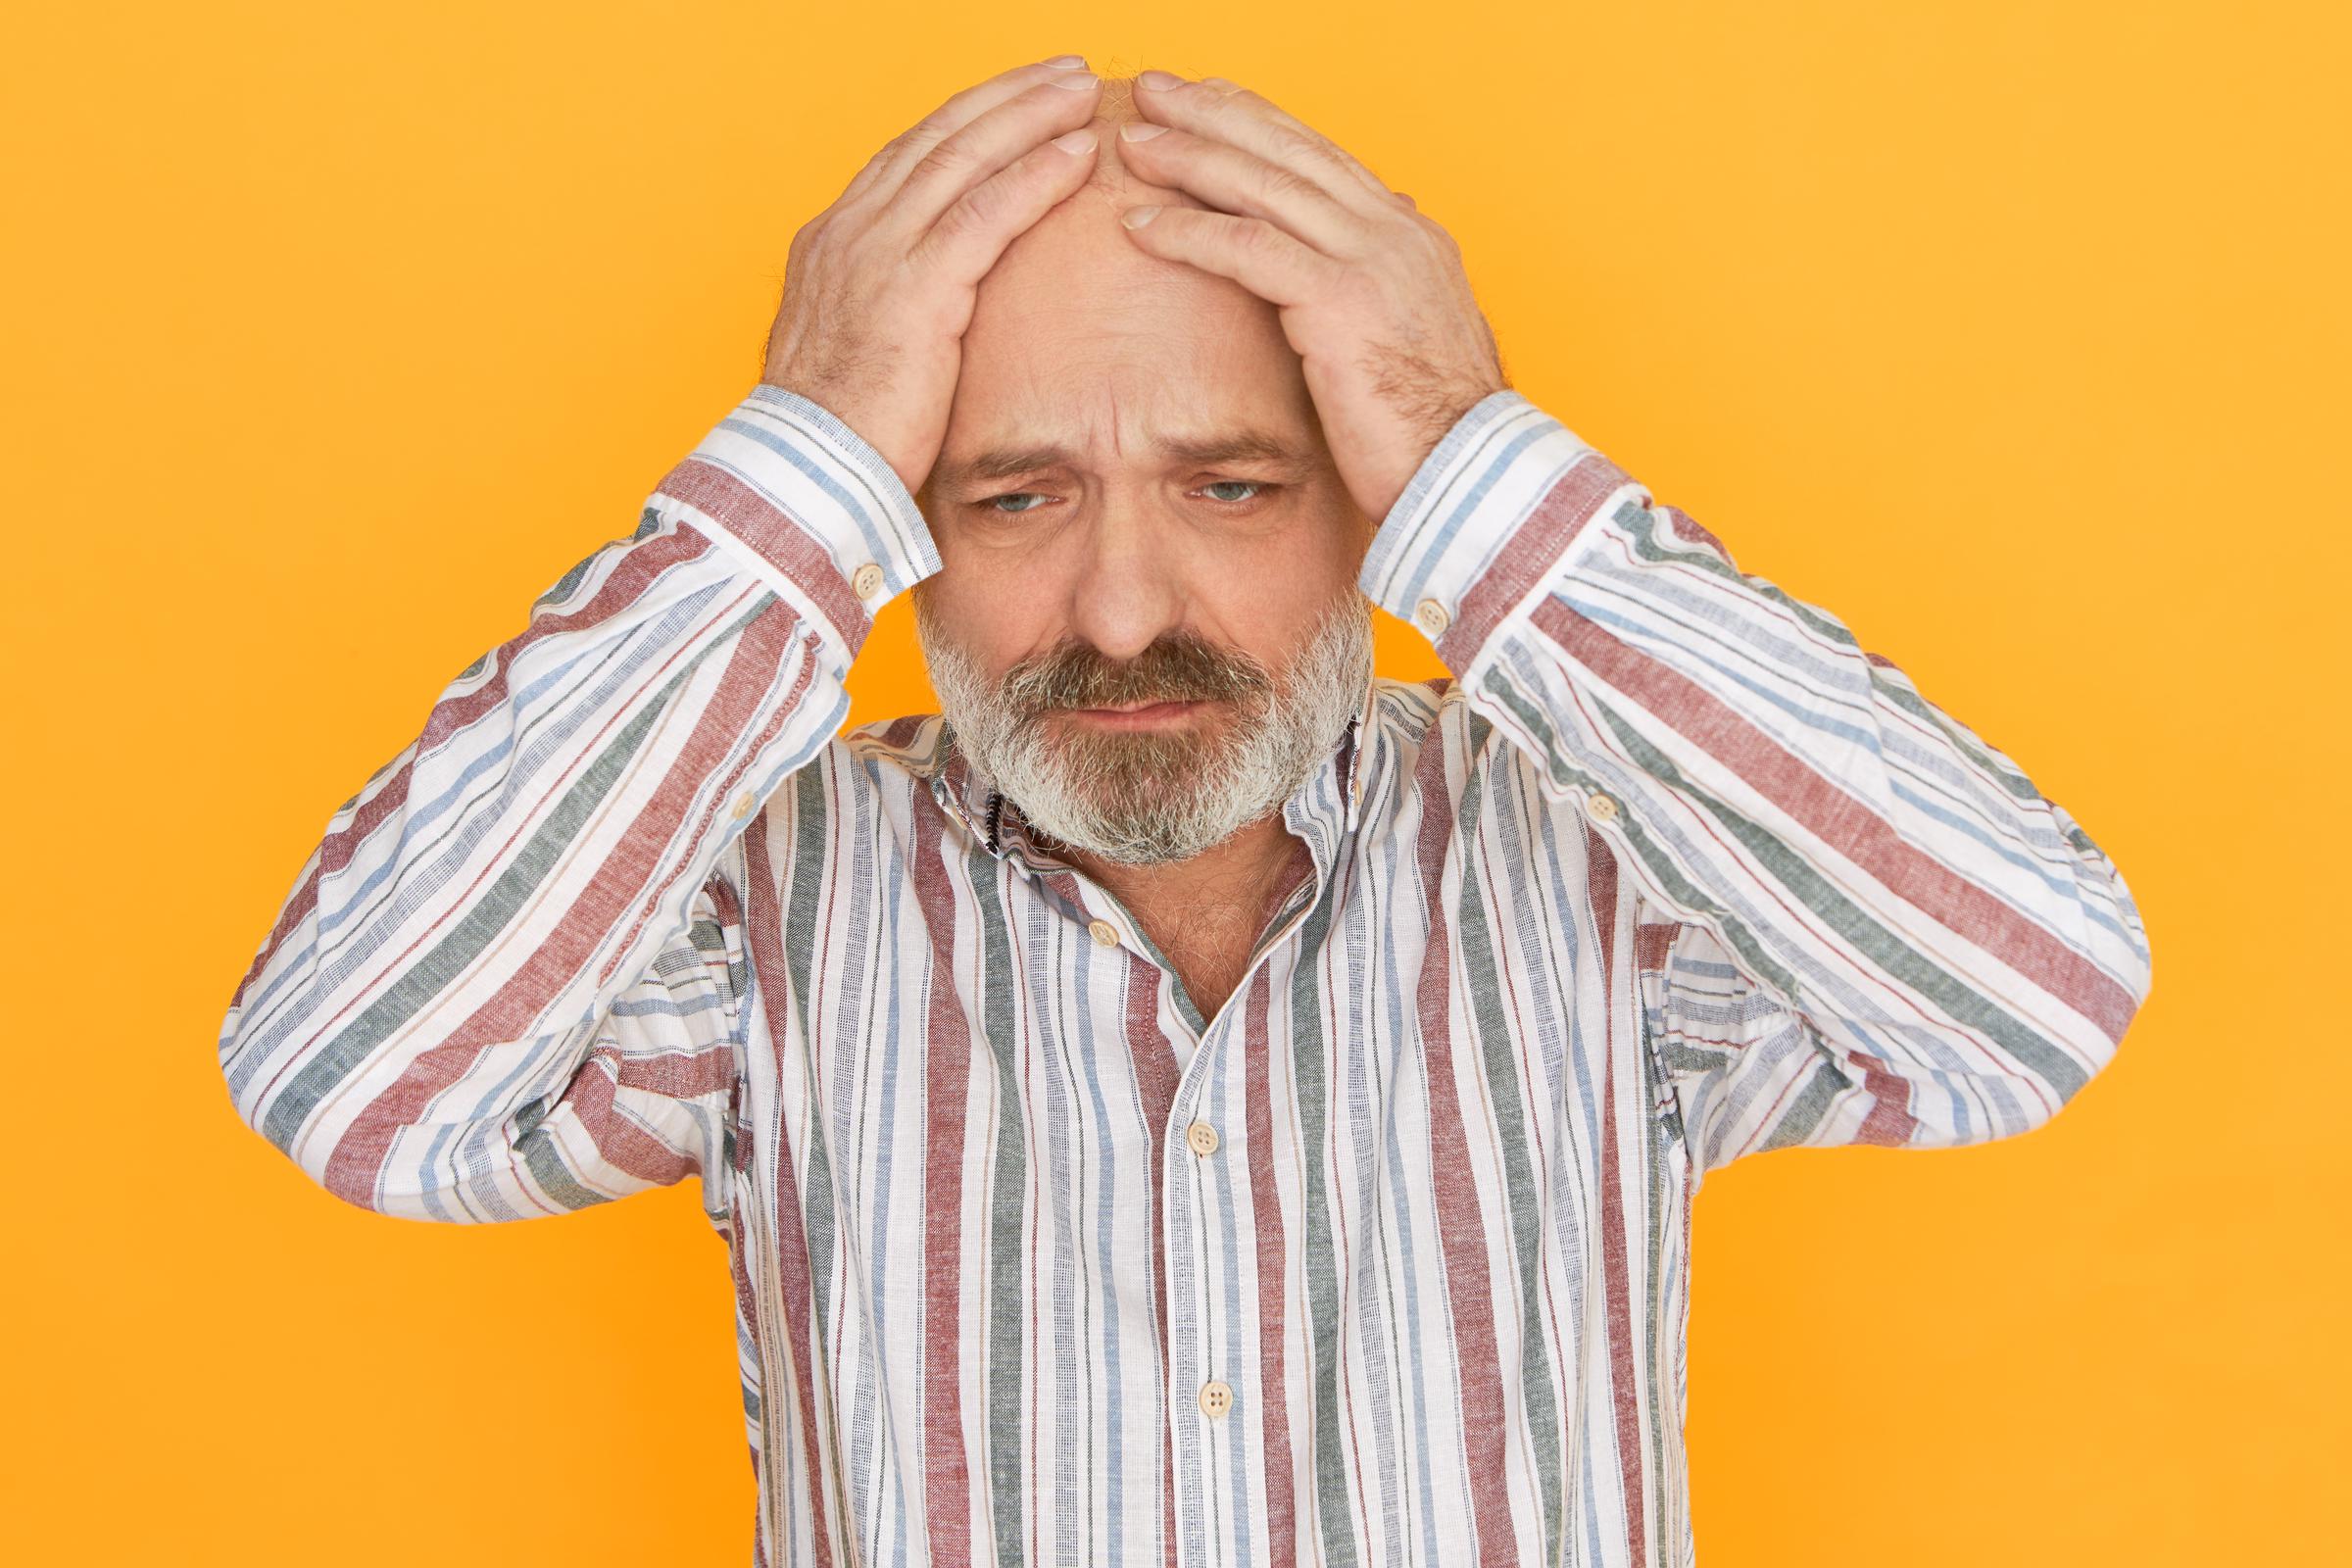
x=879 y=287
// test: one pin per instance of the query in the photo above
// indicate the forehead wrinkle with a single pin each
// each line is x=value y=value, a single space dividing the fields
x=1243 y=441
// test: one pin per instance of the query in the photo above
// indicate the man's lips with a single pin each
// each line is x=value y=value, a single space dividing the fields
x=1136 y=715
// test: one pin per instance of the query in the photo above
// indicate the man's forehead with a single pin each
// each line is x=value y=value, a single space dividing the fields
x=1177 y=377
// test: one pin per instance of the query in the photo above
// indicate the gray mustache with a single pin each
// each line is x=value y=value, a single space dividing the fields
x=1178 y=667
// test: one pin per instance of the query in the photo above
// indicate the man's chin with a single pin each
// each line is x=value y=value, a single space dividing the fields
x=1136 y=761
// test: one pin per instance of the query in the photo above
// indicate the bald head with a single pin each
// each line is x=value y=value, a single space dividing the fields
x=1079 y=338
x=1132 y=455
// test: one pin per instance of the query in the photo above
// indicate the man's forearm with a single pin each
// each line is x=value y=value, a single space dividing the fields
x=1891 y=879
x=416 y=1031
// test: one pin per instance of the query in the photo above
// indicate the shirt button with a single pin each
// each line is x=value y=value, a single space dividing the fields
x=742 y=805
x=1600 y=808
x=1217 y=1398
x=1104 y=931
x=867 y=580
x=1431 y=617
x=1202 y=1136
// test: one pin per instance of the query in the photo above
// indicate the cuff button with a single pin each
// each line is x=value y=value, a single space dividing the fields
x=1601 y=809
x=867 y=580
x=1431 y=618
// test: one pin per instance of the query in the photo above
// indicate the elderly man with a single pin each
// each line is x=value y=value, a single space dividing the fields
x=1191 y=1101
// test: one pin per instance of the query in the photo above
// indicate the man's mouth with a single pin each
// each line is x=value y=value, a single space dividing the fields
x=1137 y=716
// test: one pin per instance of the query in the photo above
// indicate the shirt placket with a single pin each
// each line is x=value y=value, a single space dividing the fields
x=1210 y=1361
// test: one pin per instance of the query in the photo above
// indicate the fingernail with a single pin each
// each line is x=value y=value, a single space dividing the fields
x=1080 y=83
x=1159 y=80
x=1077 y=141
x=1138 y=216
x=1066 y=61
x=1138 y=130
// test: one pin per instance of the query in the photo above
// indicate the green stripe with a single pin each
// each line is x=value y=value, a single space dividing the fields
x=800 y=915
x=1652 y=1295
x=1322 y=1270
x=1007 y=1396
x=489 y=916
x=470 y=935
x=817 y=1192
x=1873 y=939
x=1641 y=525
x=546 y=1166
x=1523 y=1197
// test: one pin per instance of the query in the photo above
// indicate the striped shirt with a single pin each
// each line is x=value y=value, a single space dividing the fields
x=1386 y=1262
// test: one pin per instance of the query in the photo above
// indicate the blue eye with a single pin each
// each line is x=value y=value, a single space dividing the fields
x=1250 y=485
x=998 y=502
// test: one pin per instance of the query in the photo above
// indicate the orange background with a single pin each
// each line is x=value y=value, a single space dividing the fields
x=2013 y=333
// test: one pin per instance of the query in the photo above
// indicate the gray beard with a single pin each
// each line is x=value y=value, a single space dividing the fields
x=1145 y=799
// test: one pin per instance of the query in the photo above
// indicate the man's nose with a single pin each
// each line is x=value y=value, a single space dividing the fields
x=1126 y=587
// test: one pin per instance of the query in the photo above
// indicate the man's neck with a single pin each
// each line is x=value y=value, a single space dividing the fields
x=1206 y=913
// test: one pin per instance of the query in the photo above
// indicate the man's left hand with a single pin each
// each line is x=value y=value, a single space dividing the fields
x=1372 y=294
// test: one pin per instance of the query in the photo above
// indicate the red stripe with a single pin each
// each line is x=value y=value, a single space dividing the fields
x=775 y=536
x=1600 y=888
x=1273 y=1279
x=946 y=1068
x=788 y=705
x=739 y=1261
x=522 y=1001
x=1463 y=1233
x=1840 y=820
x=1688 y=527
x=1534 y=550
x=679 y=1076
x=645 y=561
x=1652 y=941
x=791 y=1224
x=622 y=1139
x=1889 y=1121
x=1155 y=1087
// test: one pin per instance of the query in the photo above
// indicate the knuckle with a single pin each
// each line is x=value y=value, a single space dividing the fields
x=956 y=223
x=945 y=160
x=1432 y=234
x=1283 y=185
x=981 y=205
x=1299 y=146
x=1248 y=235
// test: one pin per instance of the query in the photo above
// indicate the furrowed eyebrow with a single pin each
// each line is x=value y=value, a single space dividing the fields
x=1003 y=462
x=1232 y=446
x=1236 y=446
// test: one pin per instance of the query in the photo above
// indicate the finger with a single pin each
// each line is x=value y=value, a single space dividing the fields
x=1236 y=181
x=1253 y=253
x=896 y=155
x=976 y=227
x=990 y=143
x=1223 y=111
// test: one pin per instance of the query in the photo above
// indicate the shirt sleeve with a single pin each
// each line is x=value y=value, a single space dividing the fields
x=1855 y=922
x=504 y=983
